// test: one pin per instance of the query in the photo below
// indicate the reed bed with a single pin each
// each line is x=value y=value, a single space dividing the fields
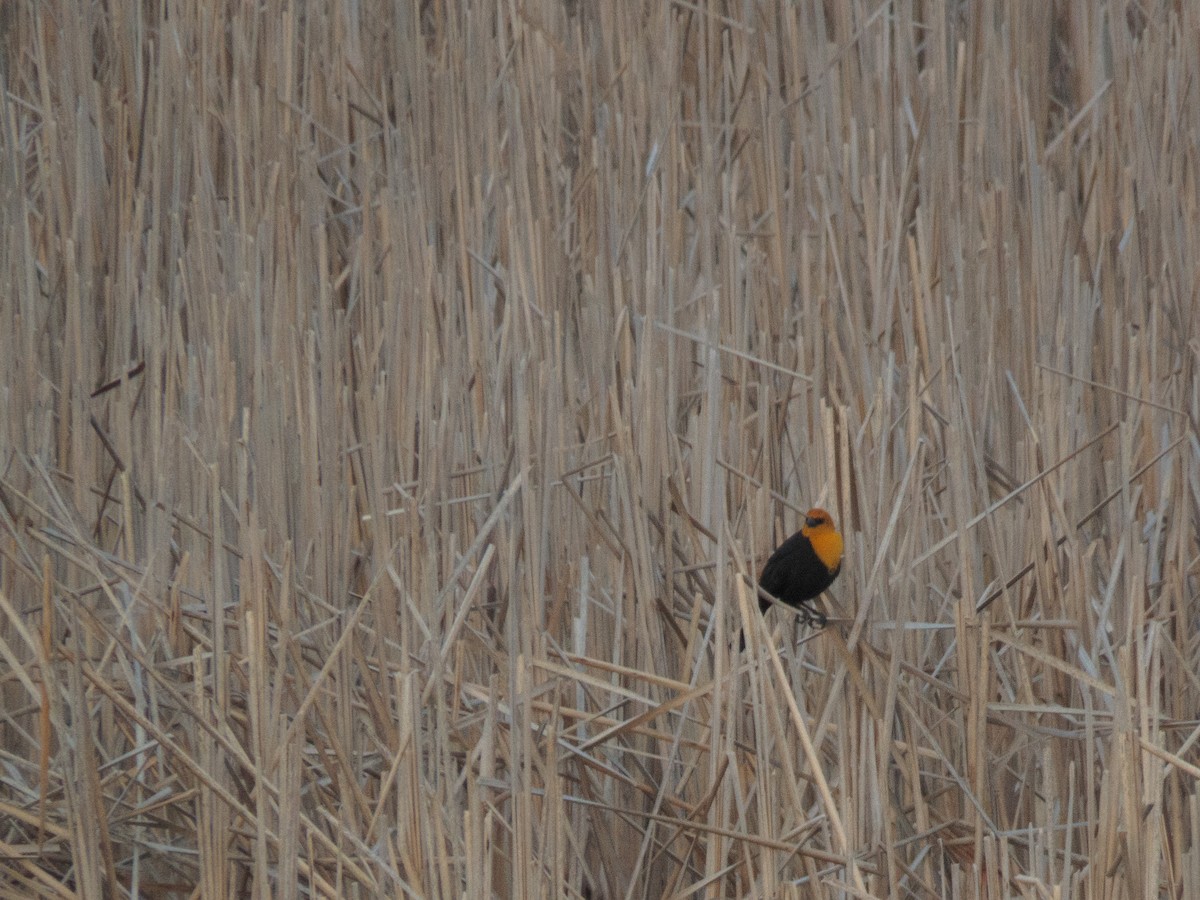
x=400 y=398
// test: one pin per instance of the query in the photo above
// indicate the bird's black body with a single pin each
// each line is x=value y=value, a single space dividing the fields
x=795 y=574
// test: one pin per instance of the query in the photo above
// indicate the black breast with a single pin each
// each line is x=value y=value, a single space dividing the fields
x=794 y=573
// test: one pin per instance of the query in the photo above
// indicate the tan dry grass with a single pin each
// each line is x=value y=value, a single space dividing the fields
x=460 y=358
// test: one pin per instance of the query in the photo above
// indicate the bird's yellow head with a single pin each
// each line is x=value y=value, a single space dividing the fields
x=826 y=541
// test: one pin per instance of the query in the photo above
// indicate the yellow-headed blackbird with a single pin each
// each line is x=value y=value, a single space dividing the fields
x=803 y=566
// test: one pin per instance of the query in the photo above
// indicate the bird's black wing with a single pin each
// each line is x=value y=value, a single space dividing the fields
x=792 y=556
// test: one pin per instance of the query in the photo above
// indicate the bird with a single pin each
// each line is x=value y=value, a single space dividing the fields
x=803 y=566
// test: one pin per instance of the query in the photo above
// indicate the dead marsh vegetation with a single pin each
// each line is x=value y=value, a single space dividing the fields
x=395 y=392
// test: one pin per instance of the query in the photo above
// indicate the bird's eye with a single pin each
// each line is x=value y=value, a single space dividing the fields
x=814 y=521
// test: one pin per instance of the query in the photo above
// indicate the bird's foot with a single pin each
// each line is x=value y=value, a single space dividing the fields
x=812 y=618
